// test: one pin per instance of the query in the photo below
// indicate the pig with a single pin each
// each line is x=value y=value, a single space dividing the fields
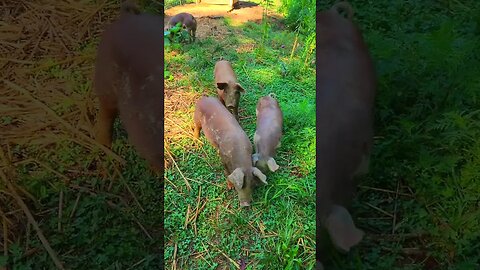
x=188 y=22
x=228 y=88
x=346 y=83
x=234 y=146
x=128 y=83
x=268 y=134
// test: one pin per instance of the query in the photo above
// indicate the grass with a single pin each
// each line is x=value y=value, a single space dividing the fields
x=427 y=144
x=278 y=232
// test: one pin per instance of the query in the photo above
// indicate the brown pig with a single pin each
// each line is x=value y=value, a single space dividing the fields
x=228 y=87
x=235 y=148
x=268 y=134
x=128 y=82
x=188 y=22
x=345 y=99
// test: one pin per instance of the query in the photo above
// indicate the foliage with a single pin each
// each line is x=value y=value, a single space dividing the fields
x=428 y=136
x=172 y=39
x=300 y=17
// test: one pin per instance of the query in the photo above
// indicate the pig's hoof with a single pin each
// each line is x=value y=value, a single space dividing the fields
x=230 y=186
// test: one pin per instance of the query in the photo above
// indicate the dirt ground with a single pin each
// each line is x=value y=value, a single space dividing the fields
x=244 y=12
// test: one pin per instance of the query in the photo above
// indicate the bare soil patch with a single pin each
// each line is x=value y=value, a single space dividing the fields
x=246 y=12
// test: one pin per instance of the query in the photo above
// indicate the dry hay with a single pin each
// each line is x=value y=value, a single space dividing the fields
x=178 y=124
x=46 y=100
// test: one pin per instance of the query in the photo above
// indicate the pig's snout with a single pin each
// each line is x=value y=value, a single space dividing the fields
x=245 y=204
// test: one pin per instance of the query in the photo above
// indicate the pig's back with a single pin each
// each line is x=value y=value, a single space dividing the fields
x=224 y=71
x=269 y=129
x=218 y=124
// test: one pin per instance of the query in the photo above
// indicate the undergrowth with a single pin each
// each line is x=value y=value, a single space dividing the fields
x=279 y=231
x=427 y=144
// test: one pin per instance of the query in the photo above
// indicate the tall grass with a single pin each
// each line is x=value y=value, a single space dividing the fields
x=300 y=17
x=172 y=3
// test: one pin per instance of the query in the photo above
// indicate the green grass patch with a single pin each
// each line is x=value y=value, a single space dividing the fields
x=279 y=231
x=428 y=137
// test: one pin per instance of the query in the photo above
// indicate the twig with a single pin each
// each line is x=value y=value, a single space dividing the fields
x=294 y=47
x=379 y=210
x=128 y=188
x=75 y=205
x=5 y=236
x=46 y=244
x=187 y=215
x=174 y=264
x=226 y=256
x=184 y=178
x=395 y=208
x=141 y=227
x=60 y=211
x=385 y=190
x=17 y=61
x=208 y=253
x=27 y=241
x=137 y=263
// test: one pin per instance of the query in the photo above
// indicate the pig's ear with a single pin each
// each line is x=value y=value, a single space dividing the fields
x=236 y=178
x=272 y=165
x=260 y=175
x=240 y=88
x=221 y=85
x=342 y=230
x=255 y=158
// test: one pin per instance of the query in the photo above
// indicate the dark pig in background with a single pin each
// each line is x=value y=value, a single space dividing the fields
x=188 y=22
x=345 y=99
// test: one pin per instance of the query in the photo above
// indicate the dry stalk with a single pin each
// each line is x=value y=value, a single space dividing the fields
x=41 y=236
x=63 y=122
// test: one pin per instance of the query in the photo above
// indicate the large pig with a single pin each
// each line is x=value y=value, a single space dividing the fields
x=235 y=149
x=345 y=99
x=228 y=87
x=268 y=134
x=128 y=82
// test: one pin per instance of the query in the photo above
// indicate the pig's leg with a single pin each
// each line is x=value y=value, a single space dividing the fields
x=230 y=186
x=106 y=117
x=197 y=124
x=235 y=113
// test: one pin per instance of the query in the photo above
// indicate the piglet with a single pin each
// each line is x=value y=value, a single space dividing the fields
x=345 y=99
x=228 y=87
x=128 y=82
x=188 y=22
x=235 y=149
x=268 y=134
